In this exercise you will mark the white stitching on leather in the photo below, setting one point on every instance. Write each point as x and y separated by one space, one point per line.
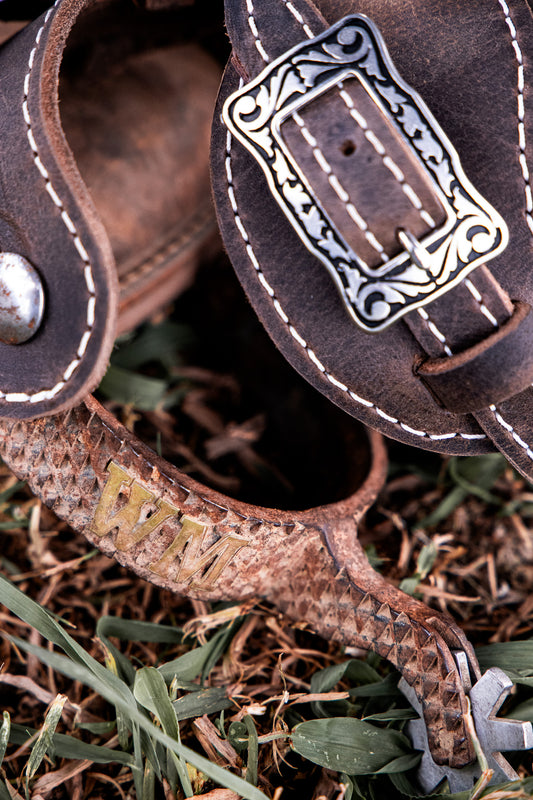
338 188
529 209
48 394
296 14
479 300
255 33
391 165
509 428
369 134
435 331
298 338
521 113
529 197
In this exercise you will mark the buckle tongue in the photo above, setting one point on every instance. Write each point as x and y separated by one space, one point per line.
347 209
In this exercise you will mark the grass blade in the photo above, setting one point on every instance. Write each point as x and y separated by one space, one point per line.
5 731
82 667
208 701
136 631
516 656
151 692
349 745
69 747
126 700
192 664
252 763
44 744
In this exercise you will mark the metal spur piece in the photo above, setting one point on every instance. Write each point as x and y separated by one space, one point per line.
494 733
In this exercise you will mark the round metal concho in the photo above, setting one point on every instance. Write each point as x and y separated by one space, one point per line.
21 299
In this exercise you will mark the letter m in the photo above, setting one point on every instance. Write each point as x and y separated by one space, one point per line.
184 559
125 506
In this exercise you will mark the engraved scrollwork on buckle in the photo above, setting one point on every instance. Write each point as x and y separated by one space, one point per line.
376 293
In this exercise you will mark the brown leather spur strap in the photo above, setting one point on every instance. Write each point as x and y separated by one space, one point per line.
325 161
190 539
183 536
452 375
89 190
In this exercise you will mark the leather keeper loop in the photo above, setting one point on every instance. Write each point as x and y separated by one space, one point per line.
490 372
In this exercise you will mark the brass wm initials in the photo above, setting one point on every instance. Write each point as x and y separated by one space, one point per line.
189 542
184 559
128 519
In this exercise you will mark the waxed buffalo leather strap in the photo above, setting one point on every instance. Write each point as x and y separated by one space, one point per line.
89 188
185 537
47 217
455 375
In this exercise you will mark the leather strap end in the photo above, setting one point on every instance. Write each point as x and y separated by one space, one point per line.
488 373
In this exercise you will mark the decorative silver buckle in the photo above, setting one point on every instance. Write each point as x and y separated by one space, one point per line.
472 233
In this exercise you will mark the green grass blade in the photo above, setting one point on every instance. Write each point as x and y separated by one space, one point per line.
5 731
135 631
401 764
148 787
515 656
221 642
477 475
123 729
88 671
191 664
142 745
446 507
126 701
207 701
349 745
36 616
7 494
150 690
252 762
4 792
69 747
44 744
393 715
131 388
353 670
97 728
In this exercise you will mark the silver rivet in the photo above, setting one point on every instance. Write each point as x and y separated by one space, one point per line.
21 299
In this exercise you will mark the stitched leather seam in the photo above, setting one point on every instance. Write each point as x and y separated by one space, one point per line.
338 188
509 428
266 286
468 283
255 33
529 196
296 14
479 300
441 338
521 128
521 113
298 338
48 394
387 160
171 249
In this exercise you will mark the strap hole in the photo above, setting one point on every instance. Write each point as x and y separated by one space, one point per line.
348 148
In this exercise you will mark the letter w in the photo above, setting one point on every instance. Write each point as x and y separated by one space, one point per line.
132 524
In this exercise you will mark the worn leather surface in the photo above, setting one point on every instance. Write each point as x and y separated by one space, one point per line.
308 563
203 544
469 62
82 205
472 379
